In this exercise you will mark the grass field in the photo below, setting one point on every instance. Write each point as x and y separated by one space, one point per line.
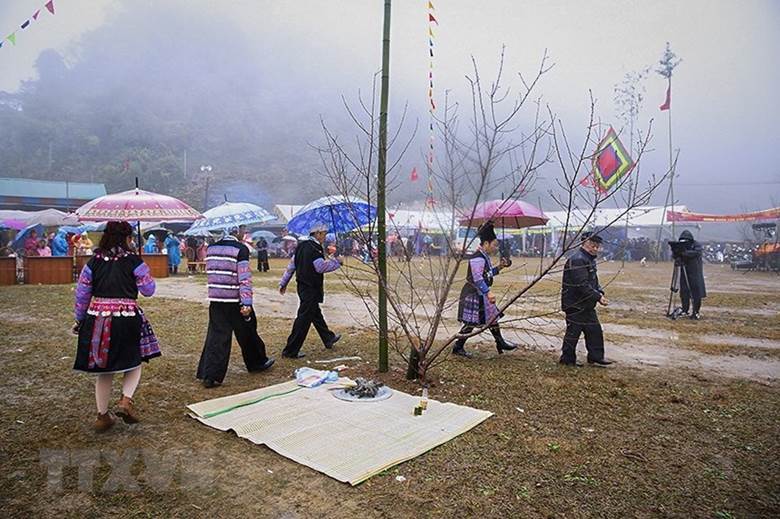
693 434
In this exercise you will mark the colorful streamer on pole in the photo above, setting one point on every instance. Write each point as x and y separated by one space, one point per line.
611 162
429 199
24 25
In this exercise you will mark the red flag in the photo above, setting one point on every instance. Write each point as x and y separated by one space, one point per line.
36 13
668 103
414 176
50 6
432 19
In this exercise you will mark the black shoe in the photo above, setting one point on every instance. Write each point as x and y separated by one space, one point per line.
600 362
504 345
336 338
267 364
209 383
695 317
462 352
298 355
573 364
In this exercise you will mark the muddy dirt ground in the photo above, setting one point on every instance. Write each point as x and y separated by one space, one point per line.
684 425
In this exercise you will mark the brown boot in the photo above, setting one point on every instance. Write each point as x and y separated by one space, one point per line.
104 422
124 409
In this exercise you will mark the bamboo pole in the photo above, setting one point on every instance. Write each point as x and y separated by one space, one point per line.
380 196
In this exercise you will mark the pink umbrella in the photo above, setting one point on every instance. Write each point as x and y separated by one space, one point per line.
137 205
509 214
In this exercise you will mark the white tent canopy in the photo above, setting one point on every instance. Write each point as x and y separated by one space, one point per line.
285 212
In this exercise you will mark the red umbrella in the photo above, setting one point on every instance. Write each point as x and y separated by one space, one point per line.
509 214
138 206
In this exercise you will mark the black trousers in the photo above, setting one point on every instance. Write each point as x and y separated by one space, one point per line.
577 323
225 319
685 298
262 262
495 330
308 313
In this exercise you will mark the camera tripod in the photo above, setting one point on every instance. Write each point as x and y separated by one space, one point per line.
679 268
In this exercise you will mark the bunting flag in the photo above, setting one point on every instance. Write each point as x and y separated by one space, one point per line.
668 103
429 200
414 176
12 37
611 162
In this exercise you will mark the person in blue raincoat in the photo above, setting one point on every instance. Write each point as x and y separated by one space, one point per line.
173 246
151 245
59 244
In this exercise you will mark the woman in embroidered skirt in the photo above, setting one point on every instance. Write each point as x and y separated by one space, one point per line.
114 335
477 305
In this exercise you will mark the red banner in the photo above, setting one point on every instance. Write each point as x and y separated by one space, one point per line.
685 216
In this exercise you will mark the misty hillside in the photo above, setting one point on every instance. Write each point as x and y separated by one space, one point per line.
137 98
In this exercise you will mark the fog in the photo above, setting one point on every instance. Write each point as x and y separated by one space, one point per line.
108 90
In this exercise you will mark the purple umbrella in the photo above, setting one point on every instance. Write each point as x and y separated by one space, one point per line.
509 214
13 224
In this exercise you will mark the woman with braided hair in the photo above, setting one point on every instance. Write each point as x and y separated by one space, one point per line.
477 303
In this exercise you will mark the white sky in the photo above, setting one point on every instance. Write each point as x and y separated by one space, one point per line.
726 111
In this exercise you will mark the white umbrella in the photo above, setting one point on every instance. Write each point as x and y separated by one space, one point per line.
227 215
52 218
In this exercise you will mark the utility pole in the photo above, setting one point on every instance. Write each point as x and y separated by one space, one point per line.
380 195
206 169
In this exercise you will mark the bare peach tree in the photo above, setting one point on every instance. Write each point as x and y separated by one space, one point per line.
508 141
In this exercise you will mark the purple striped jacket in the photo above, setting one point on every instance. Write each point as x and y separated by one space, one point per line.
228 277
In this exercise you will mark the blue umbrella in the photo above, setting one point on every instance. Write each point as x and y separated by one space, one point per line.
229 214
337 212
79 229
18 242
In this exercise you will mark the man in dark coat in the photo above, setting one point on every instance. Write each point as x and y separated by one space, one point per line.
692 277
309 266
262 255
580 292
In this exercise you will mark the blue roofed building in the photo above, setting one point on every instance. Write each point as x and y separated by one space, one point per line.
34 195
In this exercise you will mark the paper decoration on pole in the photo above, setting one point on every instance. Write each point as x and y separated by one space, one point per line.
611 162
12 37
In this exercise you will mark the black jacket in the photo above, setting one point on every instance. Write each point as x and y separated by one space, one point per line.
693 282
309 282
580 289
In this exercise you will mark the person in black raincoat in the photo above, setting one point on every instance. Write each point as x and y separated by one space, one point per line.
692 278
